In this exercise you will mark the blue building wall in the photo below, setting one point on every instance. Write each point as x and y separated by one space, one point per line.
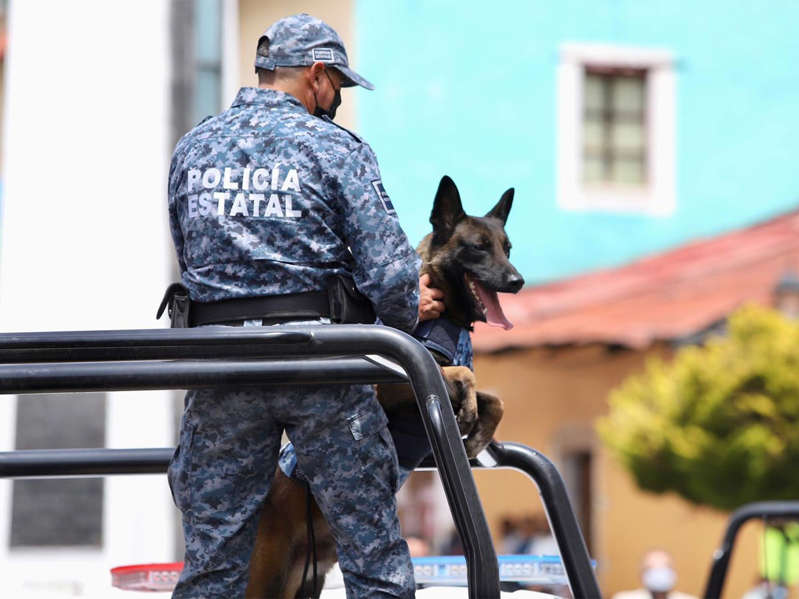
468 89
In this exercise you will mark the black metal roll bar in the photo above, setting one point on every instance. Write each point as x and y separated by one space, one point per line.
721 557
48 463
219 356
562 520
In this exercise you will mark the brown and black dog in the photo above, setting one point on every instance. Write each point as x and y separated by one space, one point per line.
467 257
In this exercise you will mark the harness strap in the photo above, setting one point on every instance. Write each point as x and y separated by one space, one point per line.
439 335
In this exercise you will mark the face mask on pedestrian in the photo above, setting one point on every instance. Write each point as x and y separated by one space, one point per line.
660 579
330 112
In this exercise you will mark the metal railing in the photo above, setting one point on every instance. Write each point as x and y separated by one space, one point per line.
219 356
764 510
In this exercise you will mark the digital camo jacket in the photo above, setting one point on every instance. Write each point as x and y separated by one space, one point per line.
266 199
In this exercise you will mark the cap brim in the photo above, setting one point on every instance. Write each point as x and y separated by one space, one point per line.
352 78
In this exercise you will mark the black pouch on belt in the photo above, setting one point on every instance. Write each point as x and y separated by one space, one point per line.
177 300
347 304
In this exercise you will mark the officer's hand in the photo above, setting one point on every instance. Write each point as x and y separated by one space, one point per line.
430 304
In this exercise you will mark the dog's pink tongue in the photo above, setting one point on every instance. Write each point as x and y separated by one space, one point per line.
494 314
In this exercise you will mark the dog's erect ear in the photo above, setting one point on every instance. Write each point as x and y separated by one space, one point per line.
447 211
502 208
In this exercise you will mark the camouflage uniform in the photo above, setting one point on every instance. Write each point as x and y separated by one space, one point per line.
267 199
406 428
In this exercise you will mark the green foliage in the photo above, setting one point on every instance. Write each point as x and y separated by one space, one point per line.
719 424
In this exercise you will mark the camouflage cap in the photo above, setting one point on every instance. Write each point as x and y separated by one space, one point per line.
301 40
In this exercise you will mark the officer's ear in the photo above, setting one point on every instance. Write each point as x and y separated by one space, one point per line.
315 72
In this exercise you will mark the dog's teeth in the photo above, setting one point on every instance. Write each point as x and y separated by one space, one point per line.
476 296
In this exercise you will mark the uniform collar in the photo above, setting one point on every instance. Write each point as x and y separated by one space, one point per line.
266 97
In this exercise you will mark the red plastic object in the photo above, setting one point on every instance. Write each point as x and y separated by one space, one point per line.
146 577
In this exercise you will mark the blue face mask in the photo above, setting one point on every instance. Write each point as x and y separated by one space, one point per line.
659 580
330 112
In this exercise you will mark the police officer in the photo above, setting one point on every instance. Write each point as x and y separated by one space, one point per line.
271 201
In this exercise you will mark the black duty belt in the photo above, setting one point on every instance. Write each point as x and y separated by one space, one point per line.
341 302
272 309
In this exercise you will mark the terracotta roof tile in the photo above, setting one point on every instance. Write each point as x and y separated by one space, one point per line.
661 297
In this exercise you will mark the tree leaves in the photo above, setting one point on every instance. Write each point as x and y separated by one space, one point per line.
719 424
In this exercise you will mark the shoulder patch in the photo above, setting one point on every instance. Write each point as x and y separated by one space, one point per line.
383 195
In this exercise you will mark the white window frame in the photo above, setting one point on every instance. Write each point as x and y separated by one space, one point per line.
657 196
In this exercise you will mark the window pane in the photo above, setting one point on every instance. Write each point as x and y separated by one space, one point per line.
614 127
627 136
207 33
208 58
593 136
206 94
593 92
628 94
628 171
58 512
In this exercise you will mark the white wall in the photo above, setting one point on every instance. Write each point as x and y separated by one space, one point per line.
84 241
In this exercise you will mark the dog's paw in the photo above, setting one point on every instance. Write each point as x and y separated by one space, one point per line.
491 409
462 387
475 443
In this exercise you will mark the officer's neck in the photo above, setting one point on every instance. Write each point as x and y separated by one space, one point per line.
295 87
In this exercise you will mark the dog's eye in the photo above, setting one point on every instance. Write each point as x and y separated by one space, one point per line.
483 245
507 249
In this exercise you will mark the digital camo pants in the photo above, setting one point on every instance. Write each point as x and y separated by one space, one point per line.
225 461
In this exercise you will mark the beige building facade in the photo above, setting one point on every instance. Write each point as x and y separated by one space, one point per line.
553 398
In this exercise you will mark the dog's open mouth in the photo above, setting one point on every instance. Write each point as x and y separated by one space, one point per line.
487 301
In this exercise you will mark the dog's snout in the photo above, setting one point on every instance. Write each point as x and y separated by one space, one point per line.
514 282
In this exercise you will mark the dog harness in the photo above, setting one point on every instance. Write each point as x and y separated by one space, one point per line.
440 335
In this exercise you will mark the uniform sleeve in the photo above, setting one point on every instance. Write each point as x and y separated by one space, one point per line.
386 266
174 216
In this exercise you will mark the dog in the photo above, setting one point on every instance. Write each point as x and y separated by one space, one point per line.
467 258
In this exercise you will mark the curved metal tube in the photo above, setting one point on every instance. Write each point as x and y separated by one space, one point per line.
562 521
68 463
98 462
68 377
722 555
289 342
